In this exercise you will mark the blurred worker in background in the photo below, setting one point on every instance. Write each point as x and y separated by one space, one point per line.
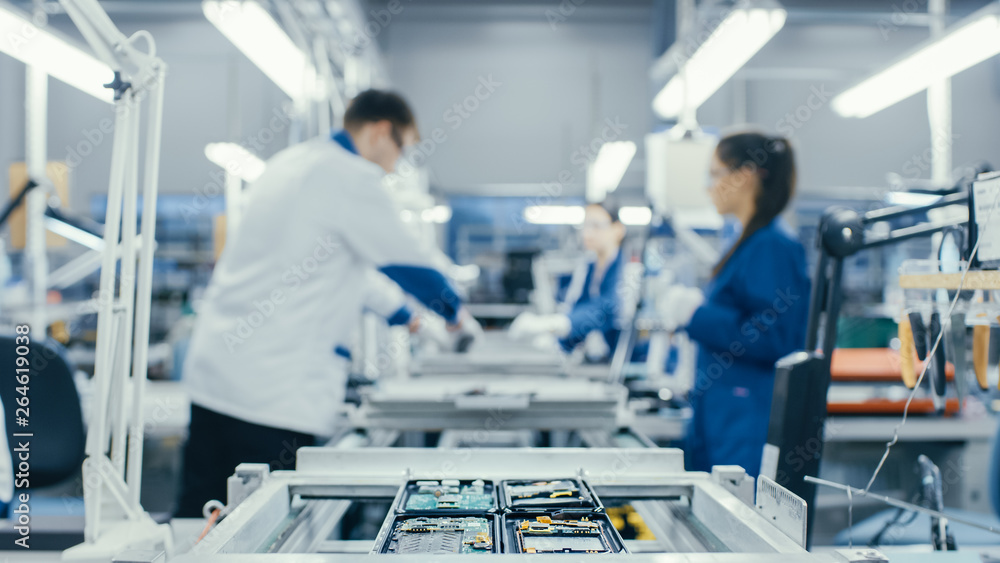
261 370
754 310
594 293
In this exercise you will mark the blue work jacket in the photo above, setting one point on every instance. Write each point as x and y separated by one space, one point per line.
755 312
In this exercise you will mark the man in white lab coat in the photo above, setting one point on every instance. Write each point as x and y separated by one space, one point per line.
261 371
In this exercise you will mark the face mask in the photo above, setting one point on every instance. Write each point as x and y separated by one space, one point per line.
405 163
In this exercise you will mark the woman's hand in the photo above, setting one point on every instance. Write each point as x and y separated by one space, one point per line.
677 304
528 325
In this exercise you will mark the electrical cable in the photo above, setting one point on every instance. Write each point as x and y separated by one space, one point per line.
937 342
208 526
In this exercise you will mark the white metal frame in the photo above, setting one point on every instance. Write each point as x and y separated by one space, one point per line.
112 471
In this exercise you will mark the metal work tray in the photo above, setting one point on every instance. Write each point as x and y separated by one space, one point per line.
589 532
583 499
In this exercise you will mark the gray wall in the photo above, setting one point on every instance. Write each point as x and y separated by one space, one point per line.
557 85
559 81
834 151
213 93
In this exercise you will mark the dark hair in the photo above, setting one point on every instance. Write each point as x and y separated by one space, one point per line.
772 159
372 106
610 207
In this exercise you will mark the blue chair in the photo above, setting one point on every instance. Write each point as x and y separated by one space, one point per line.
55 422
916 529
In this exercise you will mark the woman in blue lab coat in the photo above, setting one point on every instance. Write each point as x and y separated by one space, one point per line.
594 294
753 312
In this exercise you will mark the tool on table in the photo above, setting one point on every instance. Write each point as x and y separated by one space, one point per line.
907 366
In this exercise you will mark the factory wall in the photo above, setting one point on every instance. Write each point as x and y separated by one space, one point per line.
836 152
518 100
213 93
555 84
524 133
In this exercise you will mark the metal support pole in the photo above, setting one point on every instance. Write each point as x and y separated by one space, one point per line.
939 104
97 434
36 127
687 15
145 285
126 297
234 205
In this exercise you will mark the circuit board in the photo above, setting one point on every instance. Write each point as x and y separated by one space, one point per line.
449 495
442 535
584 533
549 494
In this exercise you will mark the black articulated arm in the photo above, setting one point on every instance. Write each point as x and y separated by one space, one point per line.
802 380
16 201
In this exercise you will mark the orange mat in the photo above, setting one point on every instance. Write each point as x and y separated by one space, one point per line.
873 365
891 407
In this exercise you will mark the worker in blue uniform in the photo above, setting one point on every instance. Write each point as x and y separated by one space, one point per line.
594 294
754 310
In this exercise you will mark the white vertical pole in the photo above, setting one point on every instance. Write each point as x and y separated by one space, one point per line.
150 189
234 205
324 83
686 18
939 105
36 127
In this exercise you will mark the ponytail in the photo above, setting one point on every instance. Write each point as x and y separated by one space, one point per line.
772 160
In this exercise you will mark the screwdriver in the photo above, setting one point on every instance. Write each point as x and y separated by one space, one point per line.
919 332
938 373
906 352
981 353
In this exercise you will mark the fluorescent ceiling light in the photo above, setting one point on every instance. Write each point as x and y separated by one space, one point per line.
635 215
734 42
970 42
264 42
36 47
436 214
910 198
574 214
605 173
554 214
236 160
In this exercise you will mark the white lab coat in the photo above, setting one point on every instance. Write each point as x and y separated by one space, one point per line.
291 284
383 296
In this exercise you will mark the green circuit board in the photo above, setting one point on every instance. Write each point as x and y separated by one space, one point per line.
468 496
441 536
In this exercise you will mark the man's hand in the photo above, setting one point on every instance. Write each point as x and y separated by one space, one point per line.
529 325
465 332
